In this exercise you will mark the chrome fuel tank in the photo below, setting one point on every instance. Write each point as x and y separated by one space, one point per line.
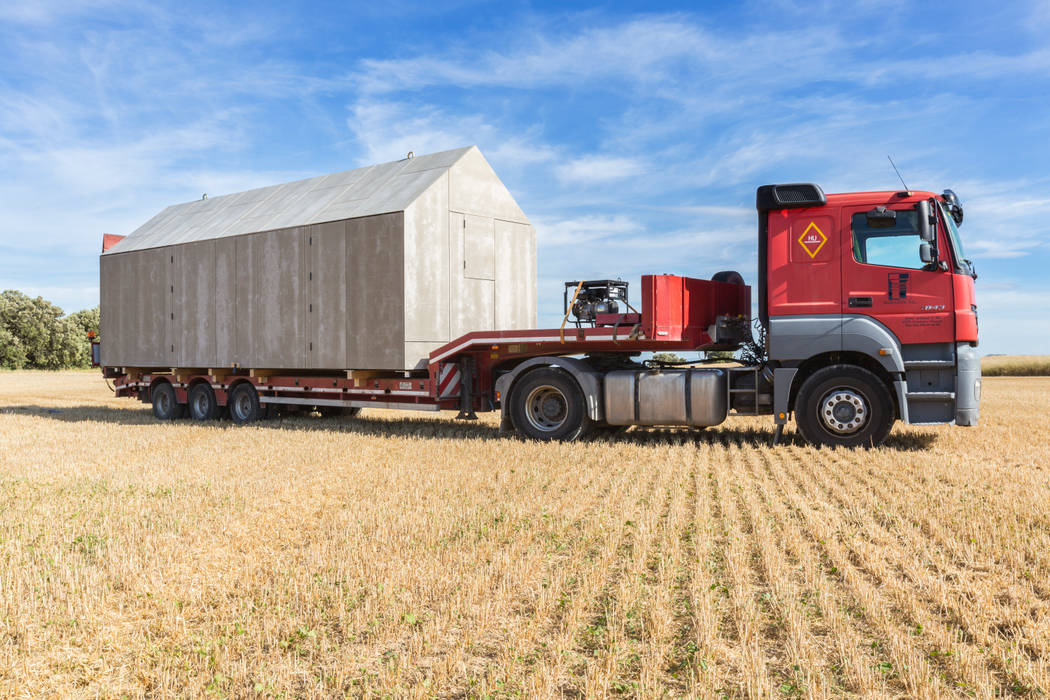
666 397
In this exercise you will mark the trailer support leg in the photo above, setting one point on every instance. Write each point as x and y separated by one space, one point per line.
466 385
777 435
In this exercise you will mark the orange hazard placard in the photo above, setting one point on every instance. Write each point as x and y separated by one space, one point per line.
812 239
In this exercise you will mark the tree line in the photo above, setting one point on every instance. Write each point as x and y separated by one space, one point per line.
36 334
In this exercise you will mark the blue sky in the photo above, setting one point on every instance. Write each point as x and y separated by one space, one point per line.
634 140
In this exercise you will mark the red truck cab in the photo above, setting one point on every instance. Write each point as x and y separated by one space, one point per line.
876 280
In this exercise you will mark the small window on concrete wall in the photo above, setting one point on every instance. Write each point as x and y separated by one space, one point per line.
478 247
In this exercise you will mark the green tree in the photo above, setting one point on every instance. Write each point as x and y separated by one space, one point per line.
44 338
667 357
84 321
12 354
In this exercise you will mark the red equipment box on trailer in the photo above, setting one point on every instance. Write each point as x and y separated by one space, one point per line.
688 309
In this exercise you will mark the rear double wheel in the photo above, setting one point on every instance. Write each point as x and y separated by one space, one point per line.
243 404
844 406
165 405
202 402
547 404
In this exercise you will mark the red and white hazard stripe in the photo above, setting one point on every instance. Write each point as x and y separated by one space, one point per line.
448 381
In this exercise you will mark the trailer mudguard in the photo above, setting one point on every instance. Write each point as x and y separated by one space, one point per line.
589 380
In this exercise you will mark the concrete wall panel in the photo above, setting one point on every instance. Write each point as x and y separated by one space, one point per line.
136 293
194 304
112 283
326 314
271 322
426 291
474 188
473 306
478 247
226 315
515 262
375 273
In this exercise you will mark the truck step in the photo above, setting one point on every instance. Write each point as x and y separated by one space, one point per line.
930 396
928 364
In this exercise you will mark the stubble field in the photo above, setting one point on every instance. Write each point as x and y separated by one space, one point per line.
401 555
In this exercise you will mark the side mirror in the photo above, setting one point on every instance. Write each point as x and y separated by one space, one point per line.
926 253
954 207
881 217
927 232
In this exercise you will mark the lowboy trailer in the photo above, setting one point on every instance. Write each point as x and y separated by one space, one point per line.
866 315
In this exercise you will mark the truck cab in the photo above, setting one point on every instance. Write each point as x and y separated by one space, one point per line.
865 293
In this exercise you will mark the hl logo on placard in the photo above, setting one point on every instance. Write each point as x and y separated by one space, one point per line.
812 239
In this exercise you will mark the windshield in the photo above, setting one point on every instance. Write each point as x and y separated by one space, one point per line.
953 236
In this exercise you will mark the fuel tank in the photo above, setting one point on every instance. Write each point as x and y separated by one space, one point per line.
695 397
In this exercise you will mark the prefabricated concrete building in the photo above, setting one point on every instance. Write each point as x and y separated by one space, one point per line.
366 269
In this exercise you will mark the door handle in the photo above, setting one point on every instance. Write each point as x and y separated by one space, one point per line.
860 302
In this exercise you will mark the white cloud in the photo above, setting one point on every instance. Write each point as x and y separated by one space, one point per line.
387 130
584 230
639 50
599 169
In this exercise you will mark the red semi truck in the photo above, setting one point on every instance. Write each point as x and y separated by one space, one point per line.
866 316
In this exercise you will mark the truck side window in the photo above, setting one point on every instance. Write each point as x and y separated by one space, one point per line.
897 246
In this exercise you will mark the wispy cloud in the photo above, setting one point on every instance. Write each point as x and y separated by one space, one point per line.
600 169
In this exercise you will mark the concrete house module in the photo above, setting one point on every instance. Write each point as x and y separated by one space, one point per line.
366 269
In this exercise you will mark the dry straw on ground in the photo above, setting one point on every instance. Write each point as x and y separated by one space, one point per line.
415 556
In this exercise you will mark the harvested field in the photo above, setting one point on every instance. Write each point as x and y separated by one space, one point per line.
1016 366
416 556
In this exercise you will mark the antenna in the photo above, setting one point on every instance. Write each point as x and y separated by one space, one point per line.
896 171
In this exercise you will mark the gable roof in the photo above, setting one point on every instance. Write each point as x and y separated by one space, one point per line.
376 189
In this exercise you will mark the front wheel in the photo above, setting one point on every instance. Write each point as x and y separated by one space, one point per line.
844 406
547 404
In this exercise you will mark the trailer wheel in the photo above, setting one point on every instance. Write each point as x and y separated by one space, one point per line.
202 403
244 404
844 406
165 405
548 404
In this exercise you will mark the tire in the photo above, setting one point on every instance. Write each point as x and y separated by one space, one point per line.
202 403
844 406
165 405
547 404
243 404
728 276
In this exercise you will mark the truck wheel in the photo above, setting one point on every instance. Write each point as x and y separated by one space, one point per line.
202 403
844 406
165 405
244 404
548 404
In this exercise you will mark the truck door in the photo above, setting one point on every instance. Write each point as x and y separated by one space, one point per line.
884 277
